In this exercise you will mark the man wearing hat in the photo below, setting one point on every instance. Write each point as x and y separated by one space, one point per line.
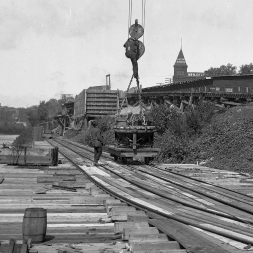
97 142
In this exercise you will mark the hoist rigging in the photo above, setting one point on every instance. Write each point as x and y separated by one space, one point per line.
143 15
134 50
134 137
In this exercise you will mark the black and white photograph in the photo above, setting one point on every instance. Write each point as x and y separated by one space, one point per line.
126 126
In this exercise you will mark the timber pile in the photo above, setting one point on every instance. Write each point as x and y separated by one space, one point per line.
72 216
13 246
76 220
213 216
202 217
238 182
169 209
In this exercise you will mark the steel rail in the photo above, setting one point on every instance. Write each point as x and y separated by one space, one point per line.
244 209
153 190
242 237
192 180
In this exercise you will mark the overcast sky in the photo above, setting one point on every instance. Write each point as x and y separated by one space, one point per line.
50 47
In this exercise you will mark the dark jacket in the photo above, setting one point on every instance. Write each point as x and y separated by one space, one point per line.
96 137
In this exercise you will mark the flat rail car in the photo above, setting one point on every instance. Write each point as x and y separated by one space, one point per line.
134 142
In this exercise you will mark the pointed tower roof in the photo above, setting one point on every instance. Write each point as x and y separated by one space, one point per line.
180 61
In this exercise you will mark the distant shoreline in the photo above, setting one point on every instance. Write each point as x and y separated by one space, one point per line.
7 138
10 134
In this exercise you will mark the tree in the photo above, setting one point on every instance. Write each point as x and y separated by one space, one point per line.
223 70
42 112
32 115
53 107
246 69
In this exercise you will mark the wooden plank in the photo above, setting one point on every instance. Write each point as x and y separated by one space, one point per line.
149 237
119 226
11 245
131 232
57 217
24 248
155 245
184 236
89 199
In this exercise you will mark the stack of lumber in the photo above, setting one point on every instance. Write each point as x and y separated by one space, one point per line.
239 182
13 246
72 216
76 218
136 231
224 216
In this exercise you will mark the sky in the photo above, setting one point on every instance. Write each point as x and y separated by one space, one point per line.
54 47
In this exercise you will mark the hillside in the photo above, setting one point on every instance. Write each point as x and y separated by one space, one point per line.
227 142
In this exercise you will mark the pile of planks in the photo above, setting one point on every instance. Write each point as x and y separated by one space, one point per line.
14 247
216 214
133 226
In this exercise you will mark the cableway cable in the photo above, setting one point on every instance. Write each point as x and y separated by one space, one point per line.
143 15
129 16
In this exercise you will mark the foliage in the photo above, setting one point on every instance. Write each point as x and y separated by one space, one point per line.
42 112
221 140
11 128
180 129
229 69
53 108
226 143
32 115
223 70
173 148
25 138
246 69
45 111
163 117
105 124
197 117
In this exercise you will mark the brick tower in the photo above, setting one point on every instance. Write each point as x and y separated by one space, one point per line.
180 68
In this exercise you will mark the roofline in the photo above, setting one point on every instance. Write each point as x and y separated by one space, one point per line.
228 77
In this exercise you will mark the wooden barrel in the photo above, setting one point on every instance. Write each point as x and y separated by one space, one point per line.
35 224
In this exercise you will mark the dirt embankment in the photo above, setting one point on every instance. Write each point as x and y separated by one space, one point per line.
227 143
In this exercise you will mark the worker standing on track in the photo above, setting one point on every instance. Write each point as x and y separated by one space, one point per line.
97 142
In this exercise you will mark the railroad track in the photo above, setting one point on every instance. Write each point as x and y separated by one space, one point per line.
208 214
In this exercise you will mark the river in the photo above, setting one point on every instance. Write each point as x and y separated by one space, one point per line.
4 138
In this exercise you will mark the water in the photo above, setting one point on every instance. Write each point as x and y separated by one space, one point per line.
7 138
